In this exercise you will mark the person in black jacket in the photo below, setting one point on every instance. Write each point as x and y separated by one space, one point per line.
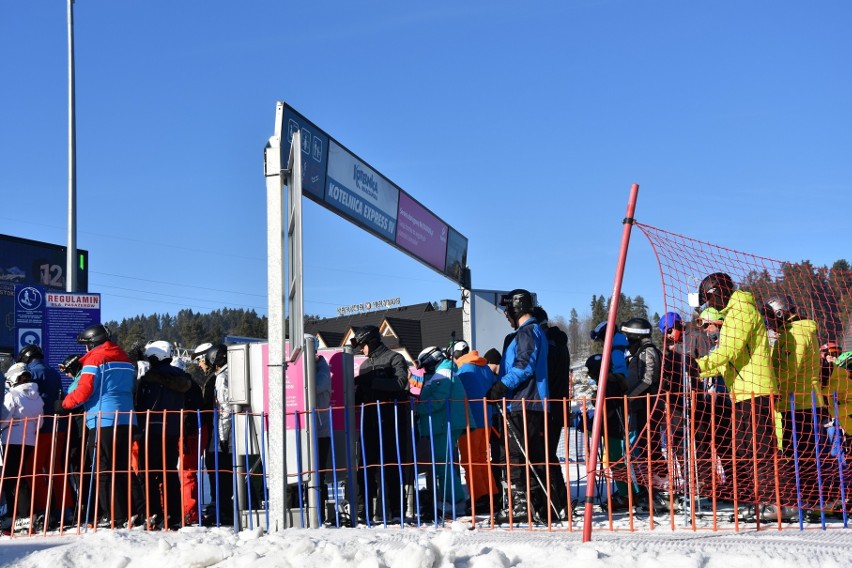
161 390
382 379
559 383
613 435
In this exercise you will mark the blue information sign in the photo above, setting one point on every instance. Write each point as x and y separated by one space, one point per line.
52 320
314 152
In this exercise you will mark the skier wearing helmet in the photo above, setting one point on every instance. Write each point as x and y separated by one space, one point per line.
743 357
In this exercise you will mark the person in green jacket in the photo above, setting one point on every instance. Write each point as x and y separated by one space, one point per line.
441 416
742 357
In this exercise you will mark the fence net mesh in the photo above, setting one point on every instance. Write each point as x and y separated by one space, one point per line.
752 405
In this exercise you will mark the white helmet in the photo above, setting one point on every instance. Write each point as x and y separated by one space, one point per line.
198 352
429 359
17 374
159 350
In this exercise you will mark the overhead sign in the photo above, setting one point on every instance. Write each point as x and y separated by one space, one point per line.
338 180
52 320
23 261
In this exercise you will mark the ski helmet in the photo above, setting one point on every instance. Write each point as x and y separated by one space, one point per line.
718 284
780 307
216 356
429 359
368 335
18 374
711 315
668 321
198 352
460 348
636 328
517 303
71 365
599 332
830 348
157 351
94 335
30 352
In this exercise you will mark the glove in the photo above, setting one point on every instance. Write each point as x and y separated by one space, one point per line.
57 408
496 391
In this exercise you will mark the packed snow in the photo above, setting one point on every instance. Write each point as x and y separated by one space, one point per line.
436 547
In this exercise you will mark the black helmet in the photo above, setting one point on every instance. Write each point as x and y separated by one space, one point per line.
636 328
780 307
366 335
71 365
716 283
93 335
216 356
517 303
29 353
599 332
429 359
593 366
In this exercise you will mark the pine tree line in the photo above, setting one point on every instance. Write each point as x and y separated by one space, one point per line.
188 329
579 328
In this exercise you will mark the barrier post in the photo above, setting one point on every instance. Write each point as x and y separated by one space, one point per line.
591 461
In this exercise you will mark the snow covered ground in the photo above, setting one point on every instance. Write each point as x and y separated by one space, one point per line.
431 547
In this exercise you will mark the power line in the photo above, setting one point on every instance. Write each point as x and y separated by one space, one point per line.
170 295
177 284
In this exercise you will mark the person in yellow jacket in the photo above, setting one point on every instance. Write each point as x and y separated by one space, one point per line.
742 357
795 361
795 355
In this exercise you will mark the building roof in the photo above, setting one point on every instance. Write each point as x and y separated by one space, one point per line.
407 329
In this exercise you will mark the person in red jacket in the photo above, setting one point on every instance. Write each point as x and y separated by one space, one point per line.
104 388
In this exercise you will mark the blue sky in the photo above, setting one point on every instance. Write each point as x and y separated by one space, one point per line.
522 126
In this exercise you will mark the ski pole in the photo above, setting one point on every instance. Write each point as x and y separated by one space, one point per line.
511 428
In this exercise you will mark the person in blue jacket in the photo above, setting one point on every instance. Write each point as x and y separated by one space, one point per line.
104 387
441 417
618 358
523 382
476 377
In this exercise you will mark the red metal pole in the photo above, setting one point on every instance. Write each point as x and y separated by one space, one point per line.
592 458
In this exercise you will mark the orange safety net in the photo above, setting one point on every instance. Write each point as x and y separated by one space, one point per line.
748 407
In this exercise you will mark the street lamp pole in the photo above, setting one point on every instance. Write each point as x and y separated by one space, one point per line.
70 260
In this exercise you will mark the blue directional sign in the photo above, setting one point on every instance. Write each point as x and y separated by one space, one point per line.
314 152
360 193
340 181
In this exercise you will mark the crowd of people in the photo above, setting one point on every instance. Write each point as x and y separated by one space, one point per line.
485 414
119 447
739 415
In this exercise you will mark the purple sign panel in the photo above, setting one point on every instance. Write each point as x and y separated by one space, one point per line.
420 232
